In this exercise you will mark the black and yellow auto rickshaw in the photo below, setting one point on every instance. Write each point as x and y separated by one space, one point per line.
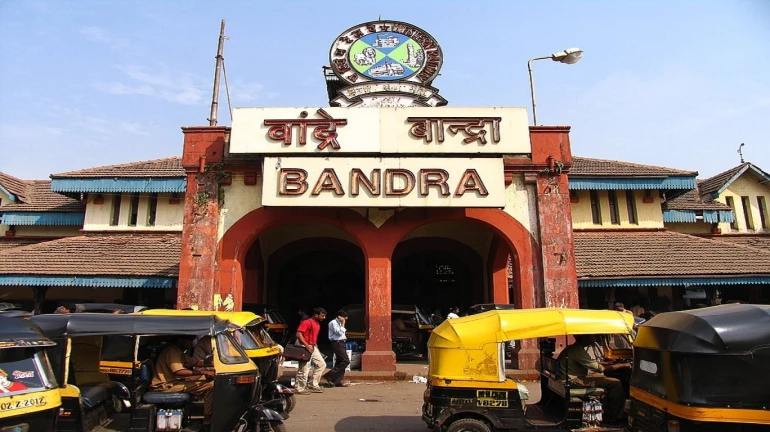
702 370
253 337
91 401
467 387
29 394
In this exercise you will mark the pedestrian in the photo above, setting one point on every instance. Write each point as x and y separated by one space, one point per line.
337 337
307 336
436 318
620 307
302 314
453 313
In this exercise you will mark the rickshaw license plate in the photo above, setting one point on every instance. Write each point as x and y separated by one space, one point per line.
492 398
22 403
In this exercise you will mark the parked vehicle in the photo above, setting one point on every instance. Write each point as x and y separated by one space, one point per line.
410 328
277 326
468 390
258 345
29 394
91 401
702 370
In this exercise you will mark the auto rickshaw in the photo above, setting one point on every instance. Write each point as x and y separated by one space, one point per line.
257 344
276 325
467 387
702 370
29 394
91 401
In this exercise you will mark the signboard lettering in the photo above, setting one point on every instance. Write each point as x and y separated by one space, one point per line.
383 182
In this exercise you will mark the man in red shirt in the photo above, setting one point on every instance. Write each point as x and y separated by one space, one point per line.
307 336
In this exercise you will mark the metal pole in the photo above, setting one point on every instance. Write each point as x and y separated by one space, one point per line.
215 97
532 87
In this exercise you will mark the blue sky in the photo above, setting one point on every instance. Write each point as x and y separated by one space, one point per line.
92 83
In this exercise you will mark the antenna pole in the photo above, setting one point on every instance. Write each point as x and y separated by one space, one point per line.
215 97
740 151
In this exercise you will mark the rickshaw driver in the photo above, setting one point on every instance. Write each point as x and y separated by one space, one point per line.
173 374
589 371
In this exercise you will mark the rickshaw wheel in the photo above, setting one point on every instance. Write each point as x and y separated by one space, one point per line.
275 427
468 425
291 402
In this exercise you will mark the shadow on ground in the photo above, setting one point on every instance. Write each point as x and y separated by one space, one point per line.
381 423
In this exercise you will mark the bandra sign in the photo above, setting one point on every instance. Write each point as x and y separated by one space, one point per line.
383 182
413 130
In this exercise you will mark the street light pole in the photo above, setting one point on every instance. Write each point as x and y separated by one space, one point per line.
568 56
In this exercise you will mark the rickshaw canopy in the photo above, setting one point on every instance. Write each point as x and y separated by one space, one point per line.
241 319
16 332
108 324
471 348
473 331
107 307
725 329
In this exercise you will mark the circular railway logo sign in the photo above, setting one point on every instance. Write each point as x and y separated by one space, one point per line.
385 51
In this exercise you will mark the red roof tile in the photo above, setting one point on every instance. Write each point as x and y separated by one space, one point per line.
168 167
755 241
692 200
39 198
14 242
13 185
628 254
97 255
599 167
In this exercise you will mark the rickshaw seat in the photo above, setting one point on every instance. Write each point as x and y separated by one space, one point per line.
553 372
92 394
162 398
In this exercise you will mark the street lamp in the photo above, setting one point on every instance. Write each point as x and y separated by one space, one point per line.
568 56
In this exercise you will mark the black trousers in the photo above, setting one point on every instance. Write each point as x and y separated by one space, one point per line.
337 373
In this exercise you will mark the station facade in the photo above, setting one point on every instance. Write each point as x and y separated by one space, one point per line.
384 197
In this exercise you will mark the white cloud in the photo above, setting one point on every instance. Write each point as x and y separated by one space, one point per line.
102 36
182 88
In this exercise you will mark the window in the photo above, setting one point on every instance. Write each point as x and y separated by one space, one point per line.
614 214
596 210
747 216
631 206
134 210
731 204
762 204
115 215
152 210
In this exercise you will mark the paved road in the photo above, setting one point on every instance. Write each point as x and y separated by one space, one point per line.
388 406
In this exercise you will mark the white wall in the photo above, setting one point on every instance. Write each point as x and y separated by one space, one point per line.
168 216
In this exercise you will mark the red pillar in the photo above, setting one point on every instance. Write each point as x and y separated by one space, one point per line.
379 354
198 263
551 151
499 275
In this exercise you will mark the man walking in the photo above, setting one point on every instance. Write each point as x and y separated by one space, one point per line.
337 337
307 336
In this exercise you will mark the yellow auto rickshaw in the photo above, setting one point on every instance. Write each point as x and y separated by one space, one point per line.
702 370
467 387
92 401
258 345
29 394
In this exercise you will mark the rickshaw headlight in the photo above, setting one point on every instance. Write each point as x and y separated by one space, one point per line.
673 426
245 379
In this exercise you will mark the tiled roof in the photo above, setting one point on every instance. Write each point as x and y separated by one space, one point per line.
755 241
13 242
97 255
168 167
599 167
13 185
624 254
39 198
692 200
713 184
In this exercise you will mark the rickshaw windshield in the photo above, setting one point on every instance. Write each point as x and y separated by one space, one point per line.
260 334
24 370
229 350
244 338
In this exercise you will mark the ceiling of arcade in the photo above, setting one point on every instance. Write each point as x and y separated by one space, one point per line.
478 238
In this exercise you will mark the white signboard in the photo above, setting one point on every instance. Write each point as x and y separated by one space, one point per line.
414 130
383 182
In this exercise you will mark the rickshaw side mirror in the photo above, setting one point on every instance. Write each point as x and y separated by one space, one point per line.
208 360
